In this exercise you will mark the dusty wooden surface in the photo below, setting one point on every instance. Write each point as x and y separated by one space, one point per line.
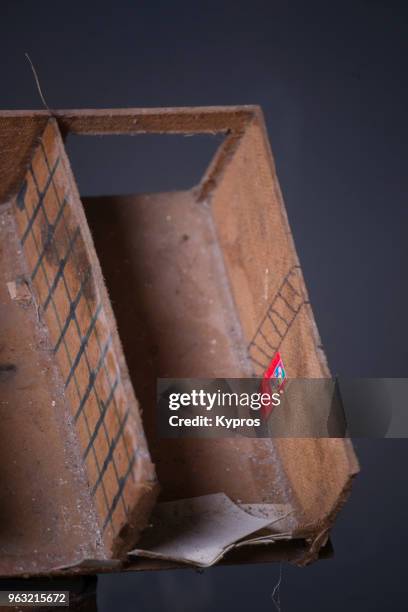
46 515
203 284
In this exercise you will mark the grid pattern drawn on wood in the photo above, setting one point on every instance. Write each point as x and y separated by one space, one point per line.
277 321
69 304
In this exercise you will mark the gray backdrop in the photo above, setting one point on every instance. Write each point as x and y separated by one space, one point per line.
331 78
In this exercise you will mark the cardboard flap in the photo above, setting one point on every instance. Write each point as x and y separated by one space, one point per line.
200 530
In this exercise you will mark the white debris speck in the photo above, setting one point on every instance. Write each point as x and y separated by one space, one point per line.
266 286
12 289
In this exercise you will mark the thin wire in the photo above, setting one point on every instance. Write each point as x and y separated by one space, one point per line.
37 81
276 591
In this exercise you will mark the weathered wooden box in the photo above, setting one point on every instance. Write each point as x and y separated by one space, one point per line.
204 284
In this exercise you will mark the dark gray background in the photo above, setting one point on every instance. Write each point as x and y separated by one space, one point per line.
331 78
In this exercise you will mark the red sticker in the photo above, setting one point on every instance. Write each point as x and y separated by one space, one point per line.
273 381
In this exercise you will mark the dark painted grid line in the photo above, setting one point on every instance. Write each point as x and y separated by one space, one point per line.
289 326
84 343
50 237
260 349
273 348
117 412
291 286
61 267
65 345
68 354
71 243
92 377
41 196
280 316
21 196
83 340
278 331
286 302
100 349
285 280
108 376
119 494
268 316
110 456
112 448
82 353
261 365
105 406
72 308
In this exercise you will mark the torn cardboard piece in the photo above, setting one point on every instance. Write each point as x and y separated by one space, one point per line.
199 531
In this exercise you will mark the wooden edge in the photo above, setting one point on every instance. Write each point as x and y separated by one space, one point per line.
207 119
148 485
224 154
296 552
316 532
19 137
216 167
231 120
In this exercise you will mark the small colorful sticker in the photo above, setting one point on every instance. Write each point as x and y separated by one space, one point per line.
277 371
273 381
